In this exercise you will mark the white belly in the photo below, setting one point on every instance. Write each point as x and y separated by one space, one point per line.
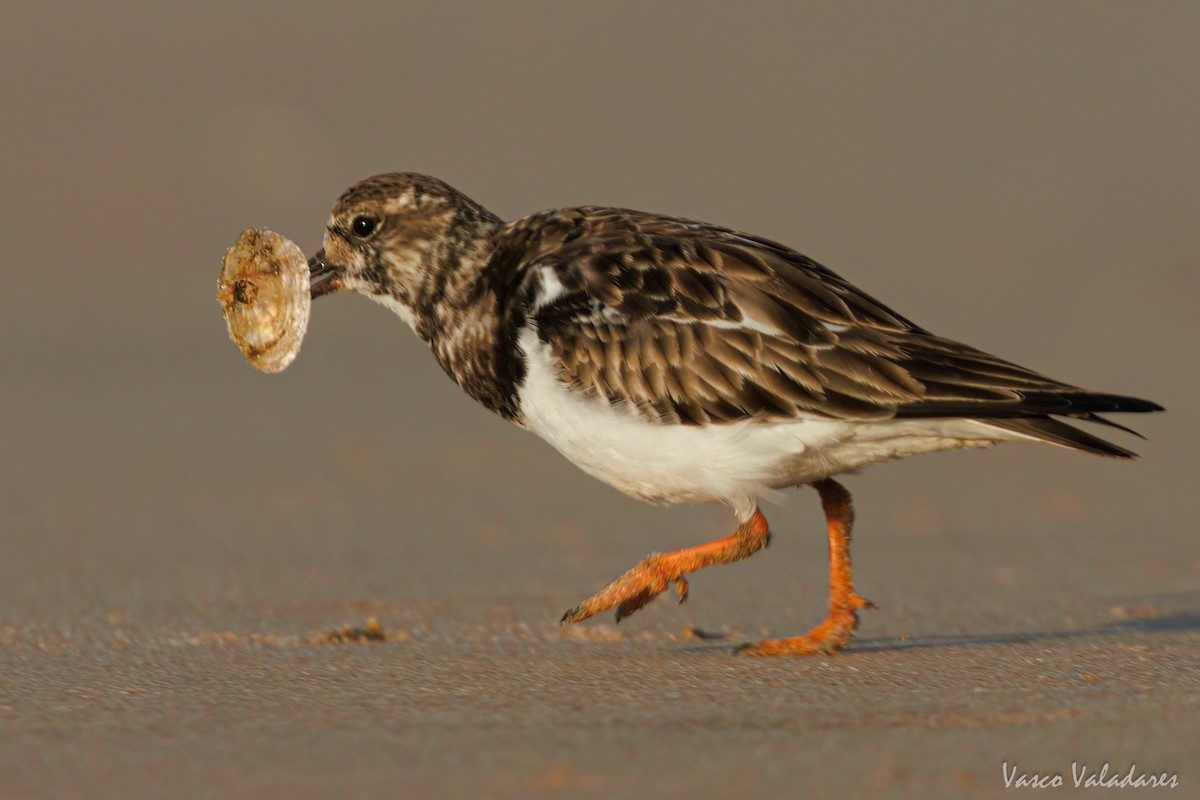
731 463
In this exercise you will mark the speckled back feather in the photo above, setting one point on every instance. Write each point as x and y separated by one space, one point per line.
696 324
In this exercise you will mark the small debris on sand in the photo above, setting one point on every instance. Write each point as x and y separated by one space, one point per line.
370 631
1121 613
693 632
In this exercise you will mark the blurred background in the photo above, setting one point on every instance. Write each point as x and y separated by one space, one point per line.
1021 176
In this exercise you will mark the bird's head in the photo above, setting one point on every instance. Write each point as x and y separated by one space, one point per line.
391 236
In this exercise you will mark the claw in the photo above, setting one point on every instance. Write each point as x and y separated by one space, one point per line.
682 588
857 601
574 615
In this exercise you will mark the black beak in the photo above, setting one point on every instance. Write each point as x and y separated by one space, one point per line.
323 278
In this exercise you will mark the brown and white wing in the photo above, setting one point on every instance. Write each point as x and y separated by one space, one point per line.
702 325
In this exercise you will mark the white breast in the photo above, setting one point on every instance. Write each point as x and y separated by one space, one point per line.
731 463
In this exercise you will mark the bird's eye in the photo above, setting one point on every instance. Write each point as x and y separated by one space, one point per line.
364 226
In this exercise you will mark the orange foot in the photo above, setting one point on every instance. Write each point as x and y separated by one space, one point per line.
658 571
835 632
826 639
634 589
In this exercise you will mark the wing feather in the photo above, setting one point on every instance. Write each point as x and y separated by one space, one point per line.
699 324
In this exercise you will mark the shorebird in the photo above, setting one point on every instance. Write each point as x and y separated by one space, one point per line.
683 362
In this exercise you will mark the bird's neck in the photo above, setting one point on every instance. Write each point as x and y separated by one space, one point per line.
461 311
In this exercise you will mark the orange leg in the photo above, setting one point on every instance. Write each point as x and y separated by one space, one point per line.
834 633
656 572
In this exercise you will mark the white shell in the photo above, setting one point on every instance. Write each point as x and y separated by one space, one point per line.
264 293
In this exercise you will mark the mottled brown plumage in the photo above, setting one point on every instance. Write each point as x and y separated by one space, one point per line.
685 362
697 324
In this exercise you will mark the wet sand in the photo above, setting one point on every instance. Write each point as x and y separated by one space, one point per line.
179 533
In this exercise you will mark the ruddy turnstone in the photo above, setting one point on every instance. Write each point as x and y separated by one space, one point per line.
683 362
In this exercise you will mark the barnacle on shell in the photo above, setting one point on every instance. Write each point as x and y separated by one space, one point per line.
264 294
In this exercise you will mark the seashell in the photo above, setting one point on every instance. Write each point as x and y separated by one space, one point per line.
264 293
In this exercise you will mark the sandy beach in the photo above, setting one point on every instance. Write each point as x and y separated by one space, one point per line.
180 536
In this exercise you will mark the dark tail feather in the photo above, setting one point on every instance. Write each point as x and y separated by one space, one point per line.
1099 420
1032 404
1060 433
1106 403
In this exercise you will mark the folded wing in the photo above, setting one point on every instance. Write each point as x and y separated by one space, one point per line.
696 324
